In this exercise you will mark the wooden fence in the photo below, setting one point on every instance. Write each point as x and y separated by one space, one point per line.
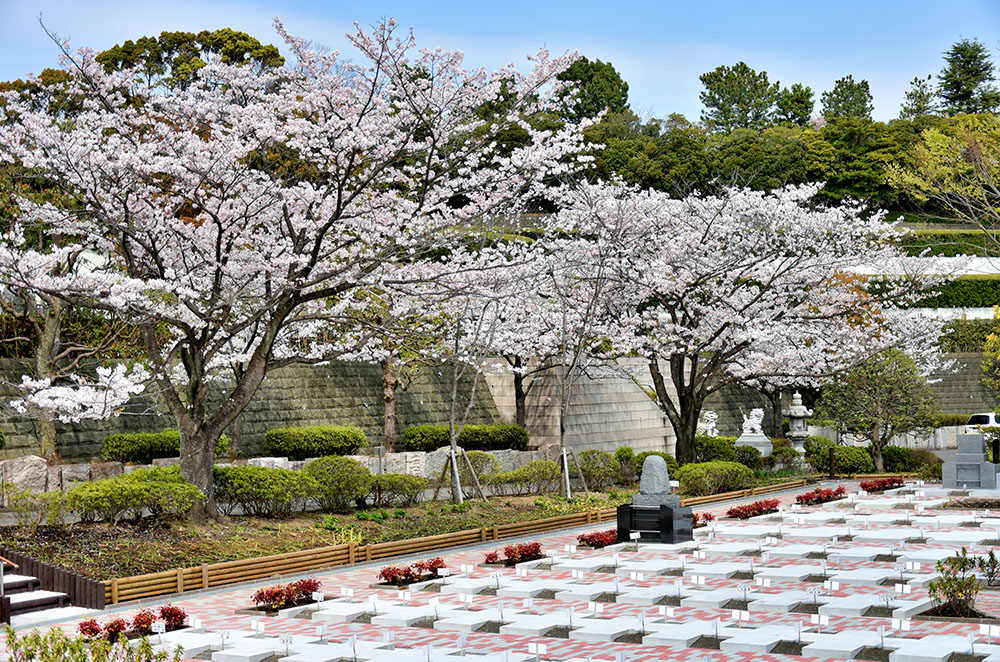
82 591
232 572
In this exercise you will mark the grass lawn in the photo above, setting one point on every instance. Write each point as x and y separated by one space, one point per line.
104 551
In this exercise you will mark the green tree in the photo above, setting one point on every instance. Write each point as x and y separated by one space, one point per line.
919 99
848 98
861 150
794 104
772 158
597 86
173 58
965 83
737 97
880 399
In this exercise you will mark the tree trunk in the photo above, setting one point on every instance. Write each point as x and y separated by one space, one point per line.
774 396
48 341
520 395
684 416
197 464
877 450
389 385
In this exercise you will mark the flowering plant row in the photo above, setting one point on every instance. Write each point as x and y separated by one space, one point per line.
821 495
699 520
522 551
880 484
748 510
142 623
401 575
598 539
280 596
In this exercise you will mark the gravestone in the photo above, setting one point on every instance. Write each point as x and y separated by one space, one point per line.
970 468
655 513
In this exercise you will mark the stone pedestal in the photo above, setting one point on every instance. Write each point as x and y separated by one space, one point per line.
970 468
663 524
758 441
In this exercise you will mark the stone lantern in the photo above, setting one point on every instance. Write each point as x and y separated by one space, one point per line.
798 429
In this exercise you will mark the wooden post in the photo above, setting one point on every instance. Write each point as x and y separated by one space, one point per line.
580 472
440 481
180 580
368 552
833 464
482 534
114 591
204 576
351 553
495 536
475 478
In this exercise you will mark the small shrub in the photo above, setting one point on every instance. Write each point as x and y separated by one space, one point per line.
671 461
713 477
173 617
881 484
523 551
599 468
340 481
930 472
710 449
398 489
280 596
114 628
821 495
431 565
753 509
896 459
372 516
817 452
699 520
989 567
492 557
55 645
89 628
303 442
598 539
129 497
144 447
493 437
142 622
402 575
749 456
853 460
486 465
535 477
627 467
262 491
785 456
956 589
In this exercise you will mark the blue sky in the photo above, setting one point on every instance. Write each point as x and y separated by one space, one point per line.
660 48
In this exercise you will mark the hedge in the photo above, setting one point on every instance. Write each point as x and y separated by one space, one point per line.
339 481
300 443
492 437
144 447
948 243
703 478
640 459
967 335
262 491
398 489
974 291
709 449
157 493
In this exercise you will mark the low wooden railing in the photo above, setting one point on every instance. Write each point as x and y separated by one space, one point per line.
232 572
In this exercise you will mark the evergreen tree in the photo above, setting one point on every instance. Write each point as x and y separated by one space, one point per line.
598 86
919 99
965 83
737 97
848 99
795 104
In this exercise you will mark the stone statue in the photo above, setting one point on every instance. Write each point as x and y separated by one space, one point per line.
798 427
654 484
708 425
753 424
655 515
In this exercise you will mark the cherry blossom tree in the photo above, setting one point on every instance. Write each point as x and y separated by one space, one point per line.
244 215
725 289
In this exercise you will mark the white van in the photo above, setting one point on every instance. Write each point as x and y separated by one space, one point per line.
986 420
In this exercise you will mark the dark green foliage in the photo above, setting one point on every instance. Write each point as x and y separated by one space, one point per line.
398 489
950 420
949 243
626 464
340 481
861 149
262 491
967 336
853 460
157 493
975 291
492 437
699 479
672 465
848 99
919 99
600 468
737 97
748 456
896 459
596 86
785 456
709 449
144 447
300 443
965 85
794 105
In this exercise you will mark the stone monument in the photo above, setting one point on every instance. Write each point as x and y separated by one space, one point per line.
655 513
708 425
753 433
970 468
798 428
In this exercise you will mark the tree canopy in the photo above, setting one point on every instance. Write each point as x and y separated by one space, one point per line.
737 97
848 98
965 84
597 86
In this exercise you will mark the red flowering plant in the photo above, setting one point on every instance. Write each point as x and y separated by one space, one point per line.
173 617
820 495
114 628
523 551
492 557
699 520
598 539
748 510
880 484
89 628
142 622
399 575
280 596
430 566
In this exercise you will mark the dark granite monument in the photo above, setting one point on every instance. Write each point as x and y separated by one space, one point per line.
655 514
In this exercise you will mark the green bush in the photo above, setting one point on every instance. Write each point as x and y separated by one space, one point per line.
921 457
949 420
262 491
974 291
398 489
749 456
485 465
640 459
493 437
536 477
930 472
895 459
704 478
967 336
626 464
600 468
785 456
853 460
157 492
339 481
300 443
3 440
817 453
710 449
144 447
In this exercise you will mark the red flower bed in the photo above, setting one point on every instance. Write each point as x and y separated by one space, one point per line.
141 625
821 495
880 484
748 510
699 520
599 539
280 596
522 551
402 575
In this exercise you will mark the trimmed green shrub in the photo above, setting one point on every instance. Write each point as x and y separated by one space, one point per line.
626 464
931 472
921 457
398 489
967 336
160 493
303 442
144 447
262 491
948 243
785 456
749 456
895 459
709 449
493 437
700 479
853 460
599 468
485 465
949 420
973 291
536 477
817 453
339 481
671 461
